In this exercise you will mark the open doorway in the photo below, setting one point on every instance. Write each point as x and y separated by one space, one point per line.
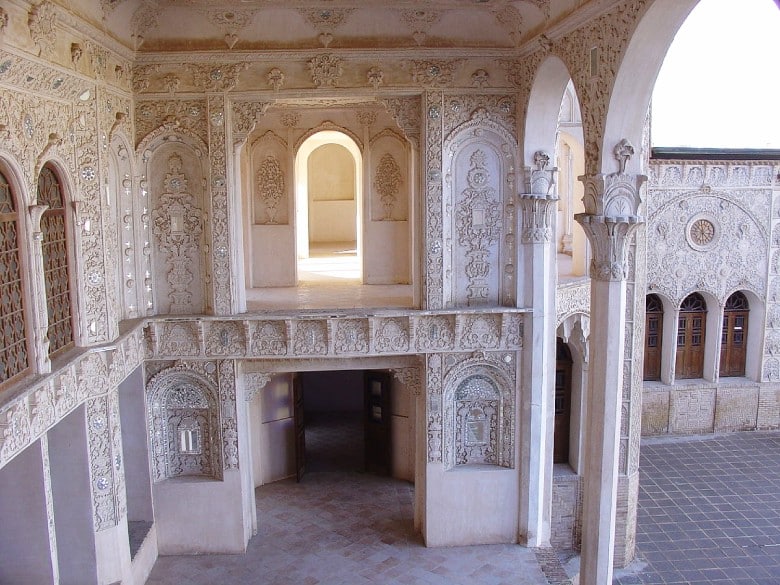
328 198
349 420
343 422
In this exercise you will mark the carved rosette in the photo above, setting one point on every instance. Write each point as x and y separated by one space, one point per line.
326 70
217 76
434 73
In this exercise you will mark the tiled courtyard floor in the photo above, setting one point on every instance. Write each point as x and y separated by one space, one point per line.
709 511
346 528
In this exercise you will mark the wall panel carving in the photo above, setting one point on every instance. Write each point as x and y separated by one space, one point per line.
271 180
177 225
479 163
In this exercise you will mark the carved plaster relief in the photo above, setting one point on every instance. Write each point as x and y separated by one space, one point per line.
390 183
183 421
479 167
177 224
478 410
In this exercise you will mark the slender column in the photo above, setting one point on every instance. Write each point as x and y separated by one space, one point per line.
538 208
612 205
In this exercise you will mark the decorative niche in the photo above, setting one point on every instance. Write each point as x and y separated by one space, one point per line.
184 425
478 422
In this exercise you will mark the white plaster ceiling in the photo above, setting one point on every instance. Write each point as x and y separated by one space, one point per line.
179 25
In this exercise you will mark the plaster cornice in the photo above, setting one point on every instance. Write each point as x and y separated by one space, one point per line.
78 27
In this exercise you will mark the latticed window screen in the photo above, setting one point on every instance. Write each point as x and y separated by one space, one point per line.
13 339
55 261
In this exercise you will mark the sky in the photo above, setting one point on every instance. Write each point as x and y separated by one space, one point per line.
719 86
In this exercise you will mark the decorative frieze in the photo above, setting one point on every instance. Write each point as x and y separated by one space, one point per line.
336 336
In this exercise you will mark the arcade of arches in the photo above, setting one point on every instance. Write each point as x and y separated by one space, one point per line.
518 260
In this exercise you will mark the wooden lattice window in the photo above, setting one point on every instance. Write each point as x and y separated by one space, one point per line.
14 357
654 325
733 341
691 329
55 261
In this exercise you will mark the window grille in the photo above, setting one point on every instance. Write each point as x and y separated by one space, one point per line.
55 262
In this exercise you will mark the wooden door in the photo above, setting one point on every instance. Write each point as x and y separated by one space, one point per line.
733 340
563 364
654 324
300 427
377 422
691 326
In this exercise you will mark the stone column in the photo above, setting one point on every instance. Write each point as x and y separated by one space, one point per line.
611 217
538 206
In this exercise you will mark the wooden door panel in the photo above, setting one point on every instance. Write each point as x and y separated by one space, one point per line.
377 422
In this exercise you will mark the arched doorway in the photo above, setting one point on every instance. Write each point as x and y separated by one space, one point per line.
654 324
563 368
734 336
328 207
691 331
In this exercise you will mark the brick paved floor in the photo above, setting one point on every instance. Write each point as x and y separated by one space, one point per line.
709 511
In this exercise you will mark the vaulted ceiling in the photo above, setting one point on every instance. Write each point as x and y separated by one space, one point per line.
186 25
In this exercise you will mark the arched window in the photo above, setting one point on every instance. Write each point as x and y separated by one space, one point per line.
691 326
563 365
654 324
55 261
14 357
733 341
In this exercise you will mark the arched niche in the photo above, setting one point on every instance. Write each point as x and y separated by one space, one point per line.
176 183
480 164
387 237
184 426
269 204
478 420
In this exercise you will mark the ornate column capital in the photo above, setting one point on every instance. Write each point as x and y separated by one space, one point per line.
537 213
610 238
617 195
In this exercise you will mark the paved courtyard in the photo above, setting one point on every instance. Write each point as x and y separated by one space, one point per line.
709 511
